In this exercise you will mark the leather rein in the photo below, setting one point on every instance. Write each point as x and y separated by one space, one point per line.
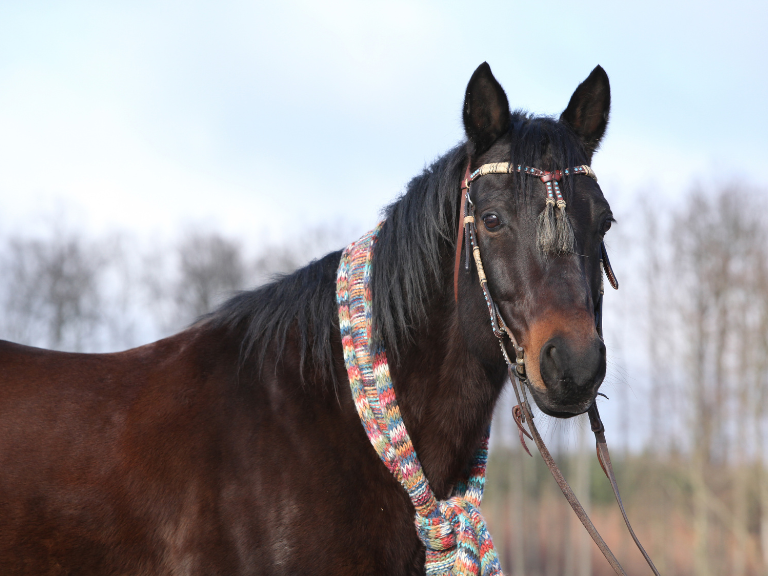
467 235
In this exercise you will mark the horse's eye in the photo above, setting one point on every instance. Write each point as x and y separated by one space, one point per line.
606 226
491 221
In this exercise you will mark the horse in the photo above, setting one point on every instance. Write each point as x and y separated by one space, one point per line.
234 447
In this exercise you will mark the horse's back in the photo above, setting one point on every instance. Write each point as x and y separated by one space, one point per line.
176 458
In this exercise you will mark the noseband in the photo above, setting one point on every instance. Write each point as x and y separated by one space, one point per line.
467 235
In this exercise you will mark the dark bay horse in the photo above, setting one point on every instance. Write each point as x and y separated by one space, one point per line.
234 447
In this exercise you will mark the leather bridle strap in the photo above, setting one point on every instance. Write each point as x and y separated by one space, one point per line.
550 179
605 463
562 482
604 458
460 230
467 232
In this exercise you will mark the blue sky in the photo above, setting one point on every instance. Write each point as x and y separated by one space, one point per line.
257 117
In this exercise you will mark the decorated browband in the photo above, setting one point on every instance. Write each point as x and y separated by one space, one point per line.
555 234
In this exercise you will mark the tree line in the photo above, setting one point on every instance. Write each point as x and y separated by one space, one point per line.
74 292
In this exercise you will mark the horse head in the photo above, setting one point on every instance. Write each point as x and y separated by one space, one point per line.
542 259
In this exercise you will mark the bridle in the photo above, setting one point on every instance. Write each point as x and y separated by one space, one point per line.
467 235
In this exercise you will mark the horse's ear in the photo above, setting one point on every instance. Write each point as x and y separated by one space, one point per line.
587 112
486 110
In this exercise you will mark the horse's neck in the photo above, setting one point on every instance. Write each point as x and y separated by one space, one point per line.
446 396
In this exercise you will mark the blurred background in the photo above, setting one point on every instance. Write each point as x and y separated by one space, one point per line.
157 156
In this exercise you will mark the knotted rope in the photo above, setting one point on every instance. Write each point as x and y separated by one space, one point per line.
453 531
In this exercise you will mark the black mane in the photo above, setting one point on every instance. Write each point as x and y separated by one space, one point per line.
304 301
420 229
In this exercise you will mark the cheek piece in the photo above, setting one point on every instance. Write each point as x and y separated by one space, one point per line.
555 235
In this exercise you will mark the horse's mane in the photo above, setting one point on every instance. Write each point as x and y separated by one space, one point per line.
420 228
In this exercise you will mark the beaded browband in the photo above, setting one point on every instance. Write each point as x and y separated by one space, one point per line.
554 198
549 178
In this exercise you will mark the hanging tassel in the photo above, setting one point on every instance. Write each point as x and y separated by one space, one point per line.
546 229
566 242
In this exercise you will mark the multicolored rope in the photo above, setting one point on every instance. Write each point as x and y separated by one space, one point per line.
453 531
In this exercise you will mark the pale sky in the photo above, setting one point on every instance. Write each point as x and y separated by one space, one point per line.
256 117
262 118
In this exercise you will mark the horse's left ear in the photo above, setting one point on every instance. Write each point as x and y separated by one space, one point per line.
587 112
486 110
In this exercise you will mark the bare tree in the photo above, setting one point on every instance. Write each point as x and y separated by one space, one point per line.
717 244
191 280
207 267
582 487
211 267
285 257
51 291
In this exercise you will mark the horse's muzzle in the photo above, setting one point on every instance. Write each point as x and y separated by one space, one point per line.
571 374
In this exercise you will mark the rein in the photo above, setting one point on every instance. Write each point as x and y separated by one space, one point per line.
467 234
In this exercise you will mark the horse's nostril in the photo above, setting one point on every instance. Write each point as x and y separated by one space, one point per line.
553 361
553 356
561 365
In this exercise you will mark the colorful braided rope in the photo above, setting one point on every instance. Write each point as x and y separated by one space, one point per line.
453 531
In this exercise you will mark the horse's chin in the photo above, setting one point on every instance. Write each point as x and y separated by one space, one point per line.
559 409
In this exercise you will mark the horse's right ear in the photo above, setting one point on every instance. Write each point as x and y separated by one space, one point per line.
588 109
486 110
